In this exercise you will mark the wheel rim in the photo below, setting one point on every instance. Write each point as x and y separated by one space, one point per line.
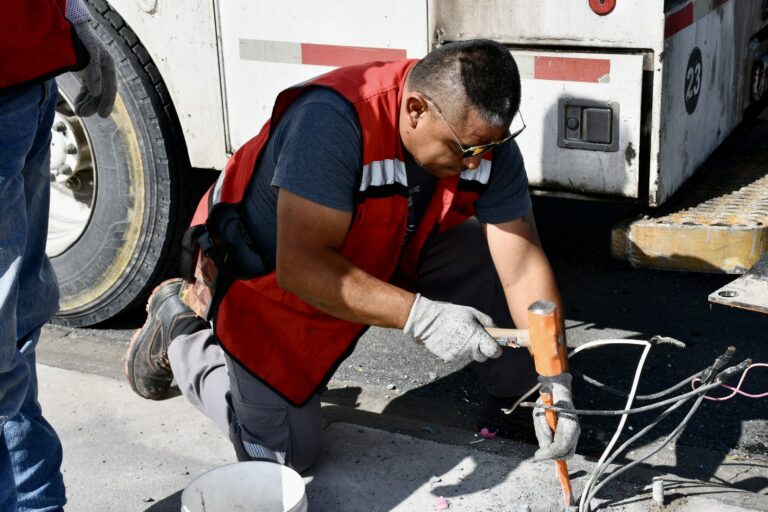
73 179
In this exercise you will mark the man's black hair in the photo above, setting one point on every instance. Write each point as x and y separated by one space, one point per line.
479 72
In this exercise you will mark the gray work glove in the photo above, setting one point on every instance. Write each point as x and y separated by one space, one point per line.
562 444
99 85
450 331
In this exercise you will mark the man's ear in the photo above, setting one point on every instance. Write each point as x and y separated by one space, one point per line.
415 107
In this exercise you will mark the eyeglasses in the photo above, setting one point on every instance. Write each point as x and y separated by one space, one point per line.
474 151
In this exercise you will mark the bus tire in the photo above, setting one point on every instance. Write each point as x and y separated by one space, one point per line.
132 176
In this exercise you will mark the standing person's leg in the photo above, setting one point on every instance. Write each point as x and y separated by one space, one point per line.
457 268
35 449
261 424
25 116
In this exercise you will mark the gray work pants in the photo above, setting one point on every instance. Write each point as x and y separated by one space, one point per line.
456 268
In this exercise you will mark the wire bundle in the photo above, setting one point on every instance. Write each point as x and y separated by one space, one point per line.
709 378
737 390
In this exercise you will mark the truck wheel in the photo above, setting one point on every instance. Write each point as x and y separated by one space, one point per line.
119 202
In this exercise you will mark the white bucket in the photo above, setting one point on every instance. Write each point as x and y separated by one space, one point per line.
246 487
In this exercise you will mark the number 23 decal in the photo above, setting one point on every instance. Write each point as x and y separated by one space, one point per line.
693 81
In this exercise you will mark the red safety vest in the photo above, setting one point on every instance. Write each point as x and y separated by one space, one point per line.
37 42
288 344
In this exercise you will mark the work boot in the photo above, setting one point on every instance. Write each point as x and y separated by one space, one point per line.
146 363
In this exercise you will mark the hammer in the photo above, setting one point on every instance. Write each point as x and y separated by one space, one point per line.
545 339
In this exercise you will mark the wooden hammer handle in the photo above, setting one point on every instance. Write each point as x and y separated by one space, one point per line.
514 337
551 359
560 465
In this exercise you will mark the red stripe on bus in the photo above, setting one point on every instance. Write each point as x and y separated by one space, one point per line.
717 3
332 55
678 21
569 69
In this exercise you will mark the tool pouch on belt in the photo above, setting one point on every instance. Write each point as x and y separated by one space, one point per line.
216 253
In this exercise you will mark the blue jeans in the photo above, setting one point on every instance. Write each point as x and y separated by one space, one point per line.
30 451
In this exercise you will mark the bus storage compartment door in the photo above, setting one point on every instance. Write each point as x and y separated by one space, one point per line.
578 140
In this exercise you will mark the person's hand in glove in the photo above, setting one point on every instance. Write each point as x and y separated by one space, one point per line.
450 331
560 444
99 85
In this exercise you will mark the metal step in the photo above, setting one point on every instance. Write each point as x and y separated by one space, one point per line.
750 291
716 223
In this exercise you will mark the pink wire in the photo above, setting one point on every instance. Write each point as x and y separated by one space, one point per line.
737 390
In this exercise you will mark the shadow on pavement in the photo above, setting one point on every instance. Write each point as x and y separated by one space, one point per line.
170 504
603 296
413 463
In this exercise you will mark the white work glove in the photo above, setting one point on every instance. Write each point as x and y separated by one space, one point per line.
99 86
562 444
450 331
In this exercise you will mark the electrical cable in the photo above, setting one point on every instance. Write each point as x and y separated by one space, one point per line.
710 374
592 490
655 340
617 392
653 423
609 341
711 377
736 390
666 441
638 371
620 412
657 405
585 346
520 400
600 470
594 344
